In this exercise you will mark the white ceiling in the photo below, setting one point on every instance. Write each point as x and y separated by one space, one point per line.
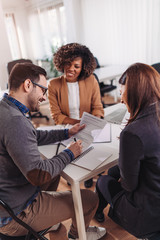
24 3
14 3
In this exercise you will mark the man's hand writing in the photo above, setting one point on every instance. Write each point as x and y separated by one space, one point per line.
76 148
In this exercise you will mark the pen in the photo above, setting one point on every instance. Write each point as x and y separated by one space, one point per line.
75 139
58 147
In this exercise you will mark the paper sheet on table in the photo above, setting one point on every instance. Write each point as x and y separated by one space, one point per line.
102 135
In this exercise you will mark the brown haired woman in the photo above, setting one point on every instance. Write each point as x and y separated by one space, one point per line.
133 187
77 90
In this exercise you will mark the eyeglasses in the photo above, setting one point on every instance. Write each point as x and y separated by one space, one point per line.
44 89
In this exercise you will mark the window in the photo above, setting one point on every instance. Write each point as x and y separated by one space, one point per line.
47 30
12 36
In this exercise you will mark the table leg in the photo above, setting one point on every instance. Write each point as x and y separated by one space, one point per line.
78 210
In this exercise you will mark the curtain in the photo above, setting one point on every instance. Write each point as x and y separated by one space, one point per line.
122 31
47 30
12 36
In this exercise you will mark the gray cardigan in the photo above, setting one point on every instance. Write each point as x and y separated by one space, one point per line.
22 168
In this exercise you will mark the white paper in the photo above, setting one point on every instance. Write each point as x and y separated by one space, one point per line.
92 124
102 135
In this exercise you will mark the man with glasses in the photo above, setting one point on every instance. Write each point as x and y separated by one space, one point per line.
44 89
27 182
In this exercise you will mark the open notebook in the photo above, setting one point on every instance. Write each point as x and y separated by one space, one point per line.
92 158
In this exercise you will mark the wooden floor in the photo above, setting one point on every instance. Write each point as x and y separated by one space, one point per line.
114 232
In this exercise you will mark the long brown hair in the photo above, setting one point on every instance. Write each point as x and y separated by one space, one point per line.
143 88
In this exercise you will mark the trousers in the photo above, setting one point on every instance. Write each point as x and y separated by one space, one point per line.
51 207
107 187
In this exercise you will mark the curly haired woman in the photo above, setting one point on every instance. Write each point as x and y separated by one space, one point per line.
77 90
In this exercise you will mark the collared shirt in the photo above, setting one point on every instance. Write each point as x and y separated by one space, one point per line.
20 106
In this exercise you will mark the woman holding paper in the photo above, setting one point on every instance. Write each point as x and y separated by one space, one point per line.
77 90
133 188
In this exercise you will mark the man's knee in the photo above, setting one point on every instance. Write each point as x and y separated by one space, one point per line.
52 185
89 197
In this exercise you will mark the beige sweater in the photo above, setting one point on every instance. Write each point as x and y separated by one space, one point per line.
90 98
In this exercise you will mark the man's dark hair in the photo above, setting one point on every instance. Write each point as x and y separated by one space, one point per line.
22 71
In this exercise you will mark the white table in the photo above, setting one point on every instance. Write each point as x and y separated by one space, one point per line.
75 175
110 72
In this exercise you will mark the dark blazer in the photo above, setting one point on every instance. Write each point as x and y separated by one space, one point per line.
137 207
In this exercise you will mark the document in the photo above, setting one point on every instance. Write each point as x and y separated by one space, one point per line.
96 130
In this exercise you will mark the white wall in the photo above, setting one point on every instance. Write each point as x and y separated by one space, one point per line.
5 55
122 31
74 20
116 31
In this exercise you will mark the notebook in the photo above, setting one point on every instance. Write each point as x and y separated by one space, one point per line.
92 158
116 116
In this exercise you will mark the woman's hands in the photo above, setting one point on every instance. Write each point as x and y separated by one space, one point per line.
76 148
75 129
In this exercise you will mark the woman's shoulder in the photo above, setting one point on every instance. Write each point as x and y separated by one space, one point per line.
56 81
136 128
91 79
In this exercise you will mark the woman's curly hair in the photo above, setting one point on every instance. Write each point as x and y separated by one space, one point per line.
67 53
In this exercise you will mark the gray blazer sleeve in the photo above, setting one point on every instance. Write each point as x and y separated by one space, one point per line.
22 147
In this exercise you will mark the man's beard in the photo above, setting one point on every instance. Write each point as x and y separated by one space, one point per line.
34 108
33 104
